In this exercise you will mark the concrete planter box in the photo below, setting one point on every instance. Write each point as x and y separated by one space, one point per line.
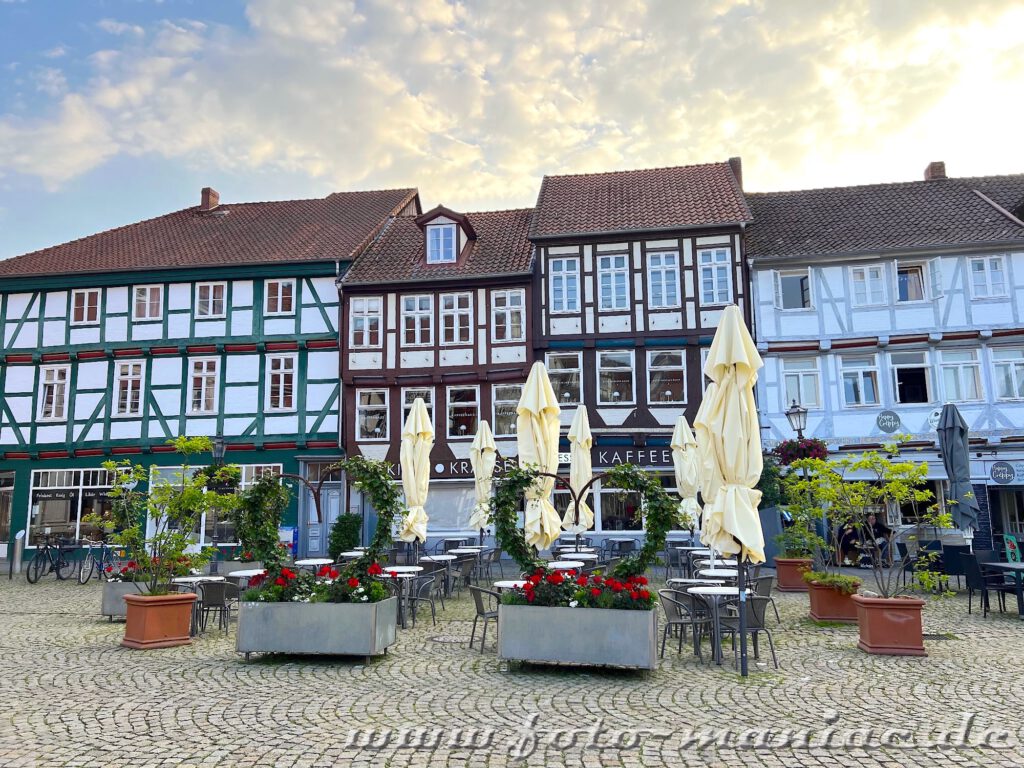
113 604
332 629
587 636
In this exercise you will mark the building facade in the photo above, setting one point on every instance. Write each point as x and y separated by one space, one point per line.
876 305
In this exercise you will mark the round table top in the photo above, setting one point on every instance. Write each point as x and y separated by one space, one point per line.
509 584
458 538
248 573
466 551
571 548
726 573
351 553
194 579
709 582
621 538
438 558
695 549
728 562
574 555
713 591
389 569
314 561
397 575
565 565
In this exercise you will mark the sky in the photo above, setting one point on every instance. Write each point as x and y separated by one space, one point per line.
112 111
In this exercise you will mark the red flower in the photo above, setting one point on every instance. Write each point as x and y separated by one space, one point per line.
353 582
581 581
324 570
131 564
556 578
570 573
280 581
535 579
634 595
596 579
528 586
393 574
109 568
645 595
375 569
529 597
640 580
334 573
595 592
616 587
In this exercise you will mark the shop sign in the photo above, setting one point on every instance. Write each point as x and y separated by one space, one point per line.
1007 473
641 457
888 421
54 493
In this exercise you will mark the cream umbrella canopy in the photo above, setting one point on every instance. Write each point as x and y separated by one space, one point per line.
580 443
686 462
537 428
483 454
417 440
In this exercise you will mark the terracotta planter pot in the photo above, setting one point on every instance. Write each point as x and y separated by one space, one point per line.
828 604
789 573
890 626
158 621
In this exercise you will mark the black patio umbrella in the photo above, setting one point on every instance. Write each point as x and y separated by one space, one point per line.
956 457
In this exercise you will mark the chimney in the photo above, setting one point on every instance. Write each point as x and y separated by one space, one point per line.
737 169
935 170
209 199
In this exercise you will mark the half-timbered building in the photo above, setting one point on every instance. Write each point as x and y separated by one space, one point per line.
219 319
877 304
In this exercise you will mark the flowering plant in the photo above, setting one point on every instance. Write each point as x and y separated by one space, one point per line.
789 451
328 585
569 589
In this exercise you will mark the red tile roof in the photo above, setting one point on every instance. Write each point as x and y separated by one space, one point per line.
501 247
334 228
655 199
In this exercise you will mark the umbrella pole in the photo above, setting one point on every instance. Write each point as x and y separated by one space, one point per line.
741 584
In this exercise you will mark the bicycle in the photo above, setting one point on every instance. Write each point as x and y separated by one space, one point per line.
92 563
50 557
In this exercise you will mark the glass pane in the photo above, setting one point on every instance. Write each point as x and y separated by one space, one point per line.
620 511
667 386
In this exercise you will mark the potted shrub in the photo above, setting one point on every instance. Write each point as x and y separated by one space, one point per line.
798 543
257 517
564 617
156 530
832 596
347 612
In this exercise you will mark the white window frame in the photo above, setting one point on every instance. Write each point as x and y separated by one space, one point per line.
140 385
632 372
359 309
926 288
61 381
494 407
293 369
147 317
438 255
927 365
423 319
1016 366
651 368
713 267
962 369
428 401
212 287
664 275
868 301
509 311
578 369
385 435
457 312
558 285
802 375
192 361
778 274
987 261
280 282
618 282
448 410
86 292
861 371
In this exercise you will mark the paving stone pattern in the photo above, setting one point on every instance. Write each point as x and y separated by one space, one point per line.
72 696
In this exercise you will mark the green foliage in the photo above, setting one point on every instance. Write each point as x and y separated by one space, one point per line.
257 517
373 479
770 484
508 492
344 535
566 589
800 538
847 585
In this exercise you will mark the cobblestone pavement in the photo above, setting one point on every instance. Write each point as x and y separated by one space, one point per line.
73 696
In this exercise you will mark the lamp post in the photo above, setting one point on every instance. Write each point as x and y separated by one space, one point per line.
797 416
218 462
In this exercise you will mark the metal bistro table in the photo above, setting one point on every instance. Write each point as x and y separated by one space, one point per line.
565 565
193 581
1017 569
313 562
403 574
502 586
714 596
446 561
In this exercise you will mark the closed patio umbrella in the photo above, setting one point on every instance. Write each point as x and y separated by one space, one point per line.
483 454
537 429
956 457
417 440
686 461
580 472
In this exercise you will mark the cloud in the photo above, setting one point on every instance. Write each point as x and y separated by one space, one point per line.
474 102
56 52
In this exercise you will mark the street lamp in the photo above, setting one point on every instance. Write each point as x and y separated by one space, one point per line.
218 463
797 416
218 450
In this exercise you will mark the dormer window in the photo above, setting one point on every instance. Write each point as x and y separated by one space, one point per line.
441 240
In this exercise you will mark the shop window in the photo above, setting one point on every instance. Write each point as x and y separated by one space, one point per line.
61 498
620 511
463 411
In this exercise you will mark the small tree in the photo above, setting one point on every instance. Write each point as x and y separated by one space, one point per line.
257 517
770 483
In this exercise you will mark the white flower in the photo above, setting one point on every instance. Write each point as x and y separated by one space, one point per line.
364 598
359 590
573 603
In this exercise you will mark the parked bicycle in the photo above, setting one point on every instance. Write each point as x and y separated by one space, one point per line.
51 558
98 557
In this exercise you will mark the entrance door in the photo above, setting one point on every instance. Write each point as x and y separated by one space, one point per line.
6 496
330 507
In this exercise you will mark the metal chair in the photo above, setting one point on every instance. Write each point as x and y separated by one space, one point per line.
422 591
757 606
682 612
978 581
484 599
952 563
463 575
213 597
762 585
491 558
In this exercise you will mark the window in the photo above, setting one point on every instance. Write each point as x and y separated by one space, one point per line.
456 318
210 299
910 283
663 279
961 375
371 414
128 386
148 302
988 278
715 276
53 392
410 394
868 285
506 401
1009 365
614 378
564 372
441 243
508 323
280 298
565 285
666 377
620 511
85 307
911 376
61 499
1011 503
203 397
613 281
860 380
793 289
364 322
281 382
800 376
463 411
417 320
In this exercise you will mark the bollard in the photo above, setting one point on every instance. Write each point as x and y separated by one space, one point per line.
19 550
